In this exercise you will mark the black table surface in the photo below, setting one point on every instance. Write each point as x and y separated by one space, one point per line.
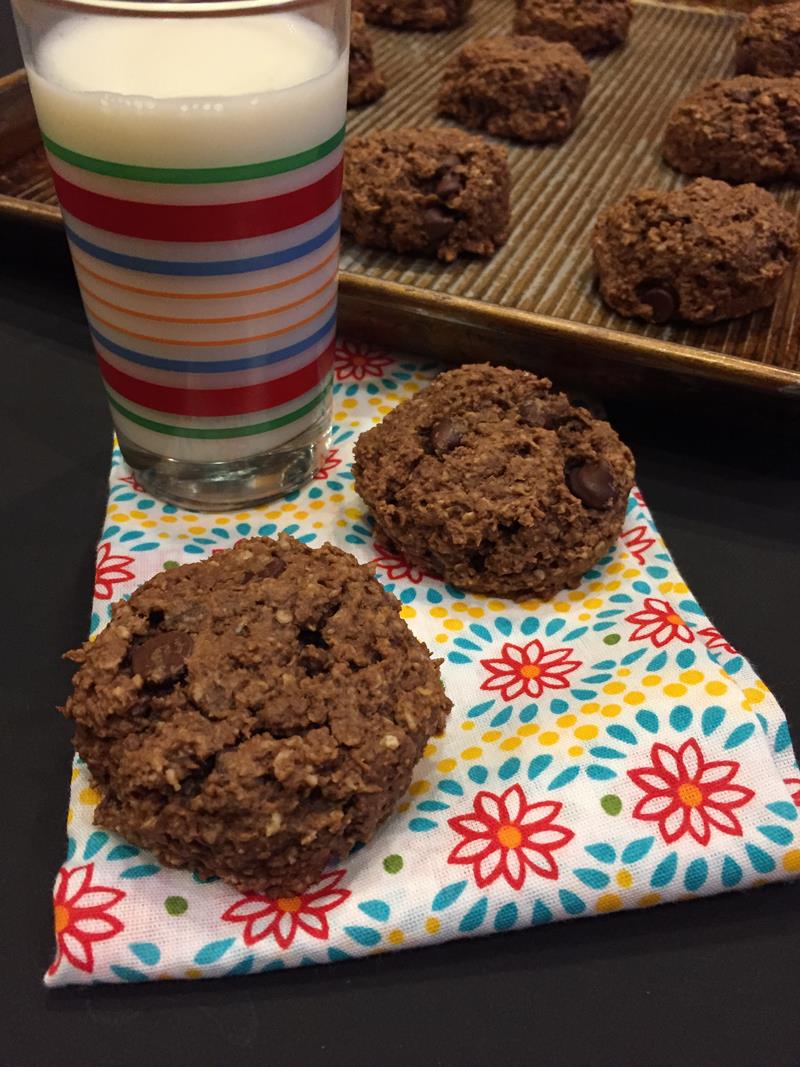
709 982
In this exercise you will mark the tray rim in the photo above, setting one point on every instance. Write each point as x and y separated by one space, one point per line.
625 348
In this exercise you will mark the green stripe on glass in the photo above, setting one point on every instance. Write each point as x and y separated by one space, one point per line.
220 434
195 175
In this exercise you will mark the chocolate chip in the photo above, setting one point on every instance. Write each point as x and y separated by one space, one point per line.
450 160
661 298
437 223
274 568
162 656
446 435
593 484
537 414
450 184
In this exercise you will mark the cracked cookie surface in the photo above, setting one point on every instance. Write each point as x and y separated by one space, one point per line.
521 87
435 191
707 252
589 25
494 482
740 130
768 41
256 715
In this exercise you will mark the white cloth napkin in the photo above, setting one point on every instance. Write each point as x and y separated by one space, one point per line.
608 749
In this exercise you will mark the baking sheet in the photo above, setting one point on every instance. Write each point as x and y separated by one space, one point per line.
546 266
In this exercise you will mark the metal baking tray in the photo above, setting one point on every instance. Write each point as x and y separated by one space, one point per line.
534 303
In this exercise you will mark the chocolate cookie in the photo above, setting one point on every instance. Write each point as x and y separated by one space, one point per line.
589 25
768 41
256 715
365 84
523 87
414 14
436 191
707 252
495 483
743 130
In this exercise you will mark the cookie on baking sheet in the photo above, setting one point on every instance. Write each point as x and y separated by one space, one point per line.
435 191
494 482
414 14
589 25
521 87
742 130
256 715
768 41
707 252
364 84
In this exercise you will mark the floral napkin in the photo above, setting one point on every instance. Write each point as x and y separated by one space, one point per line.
608 749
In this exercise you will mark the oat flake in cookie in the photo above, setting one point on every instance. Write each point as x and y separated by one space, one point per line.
434 191
707 252
522 87
256 715
494 482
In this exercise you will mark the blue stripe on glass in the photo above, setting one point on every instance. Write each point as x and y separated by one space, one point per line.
210 268
221 366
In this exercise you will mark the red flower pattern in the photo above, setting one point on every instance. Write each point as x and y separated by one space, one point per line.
358 361
637 542
506 837
396 567
238 541
659 623
331 462
282 917
529 670
686 794
793 785
131 480
81 916
714 641
110 571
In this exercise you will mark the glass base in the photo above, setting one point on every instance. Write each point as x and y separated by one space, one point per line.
228 485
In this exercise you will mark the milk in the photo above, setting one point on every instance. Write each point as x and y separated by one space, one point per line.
198 164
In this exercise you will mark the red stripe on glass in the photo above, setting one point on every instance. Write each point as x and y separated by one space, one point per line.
213 403
197 223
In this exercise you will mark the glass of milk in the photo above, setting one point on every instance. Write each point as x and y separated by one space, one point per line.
196 149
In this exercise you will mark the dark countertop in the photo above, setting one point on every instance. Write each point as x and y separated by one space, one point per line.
708 982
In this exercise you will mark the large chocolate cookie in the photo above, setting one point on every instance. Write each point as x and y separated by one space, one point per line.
522 87
768 41
490 480
434 191
707 252
256 715
742 130
589 25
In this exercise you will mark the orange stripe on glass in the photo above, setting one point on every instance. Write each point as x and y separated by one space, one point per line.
215 321
201 296
222 341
